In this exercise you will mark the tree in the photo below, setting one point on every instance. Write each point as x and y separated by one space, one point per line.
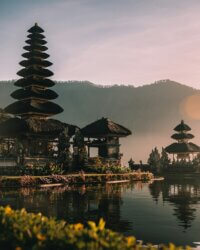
164 160
196 162
131 164
154 160
64 154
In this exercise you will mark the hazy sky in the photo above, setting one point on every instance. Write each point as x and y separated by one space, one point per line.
107 41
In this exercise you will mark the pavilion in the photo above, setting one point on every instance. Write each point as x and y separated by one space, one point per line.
182 149
104 135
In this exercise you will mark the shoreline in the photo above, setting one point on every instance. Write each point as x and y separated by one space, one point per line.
69 179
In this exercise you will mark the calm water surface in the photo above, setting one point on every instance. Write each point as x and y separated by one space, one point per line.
158 212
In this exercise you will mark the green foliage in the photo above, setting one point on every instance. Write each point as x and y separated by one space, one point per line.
154 160
21 230
184 166
192 166
196 161
38 170
71 179
158 162
100 166
164 159
131 164
104 169
107 169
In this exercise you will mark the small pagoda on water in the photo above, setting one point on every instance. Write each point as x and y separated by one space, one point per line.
30 131
182 149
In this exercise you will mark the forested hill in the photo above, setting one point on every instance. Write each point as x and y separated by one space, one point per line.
150 108
150 111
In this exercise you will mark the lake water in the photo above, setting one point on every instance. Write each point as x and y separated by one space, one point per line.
158 212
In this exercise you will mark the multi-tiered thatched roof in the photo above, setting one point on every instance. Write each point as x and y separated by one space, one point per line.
33 108
34 97
182 145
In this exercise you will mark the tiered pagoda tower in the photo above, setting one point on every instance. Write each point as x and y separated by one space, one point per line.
183 149
34 96
31 132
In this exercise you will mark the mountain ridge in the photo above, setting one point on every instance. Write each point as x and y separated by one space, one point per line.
83 96
89 83
150 111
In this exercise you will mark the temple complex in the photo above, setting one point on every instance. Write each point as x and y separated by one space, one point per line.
182 149
30 132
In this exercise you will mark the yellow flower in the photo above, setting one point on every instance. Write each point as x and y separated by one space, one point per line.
78 226
8 210
101 224
18 248
41 237
93 235
171 246
130 241
92 225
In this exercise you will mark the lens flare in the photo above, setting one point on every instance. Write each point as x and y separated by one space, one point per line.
191 107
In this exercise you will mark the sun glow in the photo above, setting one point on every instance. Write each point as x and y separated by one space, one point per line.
191 107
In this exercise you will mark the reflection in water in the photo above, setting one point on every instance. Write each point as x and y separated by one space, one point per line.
182 194
153 212
73 204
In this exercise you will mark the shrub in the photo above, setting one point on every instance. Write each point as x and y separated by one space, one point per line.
105 169
22 230
38 170
27 181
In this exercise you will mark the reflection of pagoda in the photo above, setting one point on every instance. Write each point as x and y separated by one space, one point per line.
183 195
182 148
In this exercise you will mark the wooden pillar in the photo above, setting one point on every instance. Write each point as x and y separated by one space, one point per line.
88 148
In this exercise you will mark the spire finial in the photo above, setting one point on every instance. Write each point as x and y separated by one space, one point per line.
36 24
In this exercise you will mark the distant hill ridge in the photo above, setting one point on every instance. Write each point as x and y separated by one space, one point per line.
143 109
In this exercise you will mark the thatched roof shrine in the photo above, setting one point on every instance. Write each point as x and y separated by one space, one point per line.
16 127
104 127
29 136
182 148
